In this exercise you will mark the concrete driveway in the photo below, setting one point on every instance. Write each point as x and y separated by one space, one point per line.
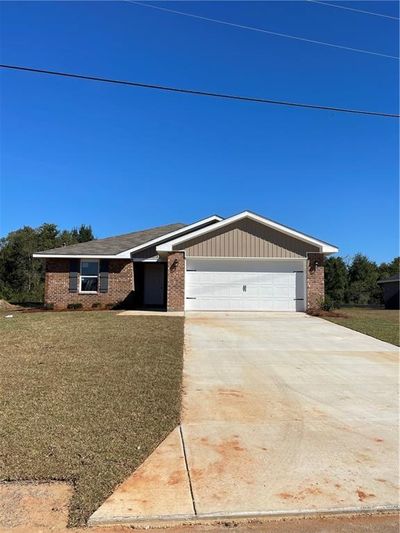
282 414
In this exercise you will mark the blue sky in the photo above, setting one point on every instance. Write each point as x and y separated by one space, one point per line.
121 158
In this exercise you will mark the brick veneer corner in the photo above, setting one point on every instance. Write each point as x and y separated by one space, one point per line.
176 282
315 281
120 285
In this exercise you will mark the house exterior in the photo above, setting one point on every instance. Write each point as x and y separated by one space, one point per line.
245 262
391 291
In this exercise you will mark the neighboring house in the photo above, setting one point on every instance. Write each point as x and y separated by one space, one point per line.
390 287
245 262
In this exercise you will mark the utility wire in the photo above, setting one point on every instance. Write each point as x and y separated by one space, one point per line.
198 93
353 9
261 30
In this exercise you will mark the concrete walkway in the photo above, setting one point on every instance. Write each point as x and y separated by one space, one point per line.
282 414
154 312
39 507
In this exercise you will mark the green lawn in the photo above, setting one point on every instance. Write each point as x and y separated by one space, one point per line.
86 397
382 324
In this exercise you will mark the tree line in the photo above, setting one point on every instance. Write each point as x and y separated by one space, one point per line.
22 276
355 281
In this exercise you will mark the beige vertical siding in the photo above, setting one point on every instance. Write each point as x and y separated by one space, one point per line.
247 238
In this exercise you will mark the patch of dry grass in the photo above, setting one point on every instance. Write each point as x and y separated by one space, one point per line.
86 397
382 324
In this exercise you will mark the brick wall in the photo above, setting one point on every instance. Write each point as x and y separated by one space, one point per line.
176 282
120 285
315 281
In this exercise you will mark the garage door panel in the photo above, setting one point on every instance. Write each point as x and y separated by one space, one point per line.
243 265
250 285
212 289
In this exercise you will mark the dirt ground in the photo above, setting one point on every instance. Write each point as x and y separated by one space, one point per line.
43 507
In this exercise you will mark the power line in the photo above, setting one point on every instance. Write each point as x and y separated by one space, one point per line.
261 30
353 9
197 92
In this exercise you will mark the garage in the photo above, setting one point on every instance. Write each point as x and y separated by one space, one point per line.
245 263
232 284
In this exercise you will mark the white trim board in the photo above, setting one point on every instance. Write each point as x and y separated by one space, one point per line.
323 246
190 227
73 256
231 258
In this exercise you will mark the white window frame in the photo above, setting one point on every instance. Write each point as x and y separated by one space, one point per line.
84 276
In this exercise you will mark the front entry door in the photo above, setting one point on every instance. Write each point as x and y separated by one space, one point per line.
154 284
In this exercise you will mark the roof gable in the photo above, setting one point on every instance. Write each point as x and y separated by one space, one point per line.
247 238
316 244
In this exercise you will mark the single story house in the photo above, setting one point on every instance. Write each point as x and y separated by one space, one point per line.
245 262
391 293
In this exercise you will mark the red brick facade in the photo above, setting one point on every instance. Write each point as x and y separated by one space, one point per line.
315 281
120 285
176 282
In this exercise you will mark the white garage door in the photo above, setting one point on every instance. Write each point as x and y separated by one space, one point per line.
244 285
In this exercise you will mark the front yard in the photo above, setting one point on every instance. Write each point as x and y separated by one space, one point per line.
382 324
86 397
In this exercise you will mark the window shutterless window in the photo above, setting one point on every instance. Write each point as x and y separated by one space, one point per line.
89 281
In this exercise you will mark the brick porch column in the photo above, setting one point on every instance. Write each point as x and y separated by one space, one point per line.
315 281
176 282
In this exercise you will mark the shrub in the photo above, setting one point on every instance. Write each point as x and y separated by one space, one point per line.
117 305
328 304
49 306
74 306
96 305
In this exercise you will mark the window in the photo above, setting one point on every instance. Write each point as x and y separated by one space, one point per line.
89 275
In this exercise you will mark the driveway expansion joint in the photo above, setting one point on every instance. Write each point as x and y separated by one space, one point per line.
187 470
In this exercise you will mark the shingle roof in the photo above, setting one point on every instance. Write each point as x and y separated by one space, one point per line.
114 245
395 277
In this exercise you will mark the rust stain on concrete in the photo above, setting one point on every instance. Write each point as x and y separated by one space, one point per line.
226 447
362 496
224 404
222 457
302 494
285 495
159 486
230 392
176 477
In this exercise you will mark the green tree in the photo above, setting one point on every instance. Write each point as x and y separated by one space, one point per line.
46 236
22 276
363 277
85 233
336 280
389 269
20 273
